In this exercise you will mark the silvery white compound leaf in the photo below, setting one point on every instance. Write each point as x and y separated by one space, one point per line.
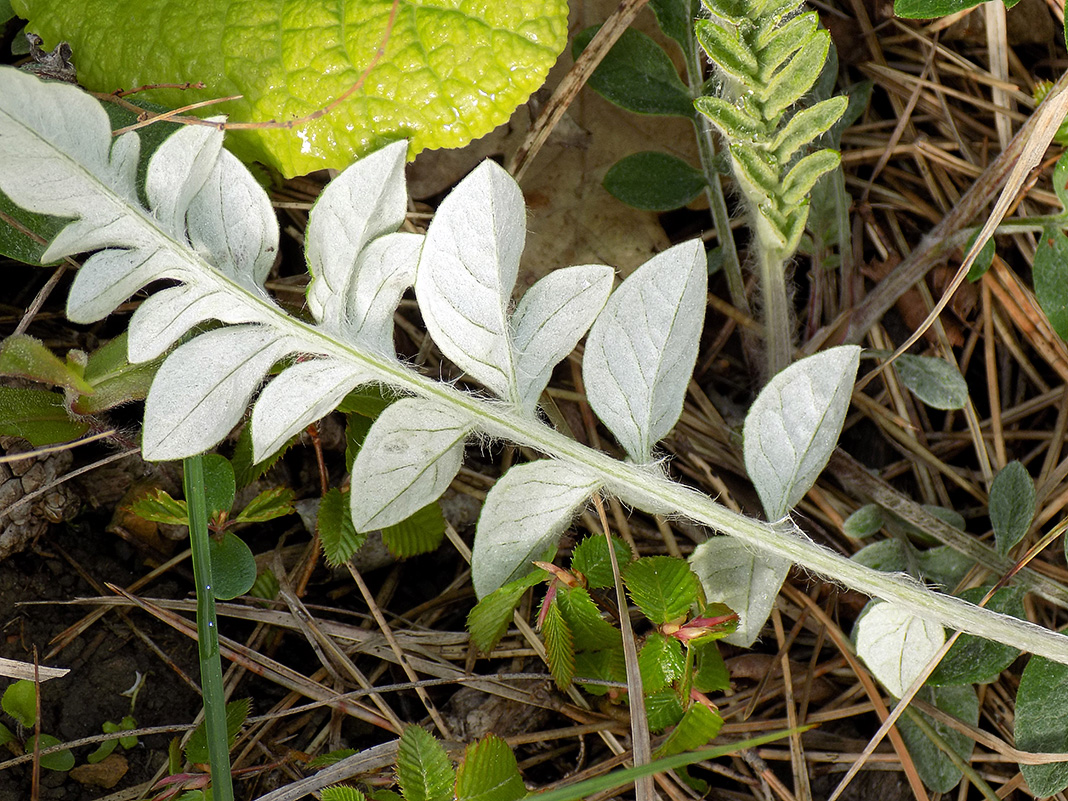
793 426
411 454
641 350
747 581
525 513
300 395
549 321
466 274
109 277
178 170
202 389
386 269
232 224
896 645
59 158
364 202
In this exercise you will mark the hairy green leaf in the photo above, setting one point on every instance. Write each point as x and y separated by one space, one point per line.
559 645
936 382
699 724
935 767
799 181
339 538
792 81
864 522
1051 278
1012 505
591 559
451 71
636 74
1041 723
728 52
38 416
732 120
489 773
663 587
806 125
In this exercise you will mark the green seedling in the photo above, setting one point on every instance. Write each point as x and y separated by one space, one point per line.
19 701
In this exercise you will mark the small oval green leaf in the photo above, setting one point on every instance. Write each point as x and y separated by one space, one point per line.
1051 278
936 382
233 567
654 181
1012 505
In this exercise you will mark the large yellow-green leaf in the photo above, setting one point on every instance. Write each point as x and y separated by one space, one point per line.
452 70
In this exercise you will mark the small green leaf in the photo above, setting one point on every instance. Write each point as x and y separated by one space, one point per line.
245 471
591 632
662 709
806 126
336 532
1060 180
636 74
196 749
265 586
367 401
605 665
38 416
1051 278
102 752
710 674
752 169
6 735
559 646
420 533
424 771
1041 709
798 76
929 9
233 567
331 758
732 121
128 723
490 618
342 792
159 507
15 243
886 556
654 181
782 41
944 566
803 175
114 380
489 773
60 761
357 427
1012 505
663 587
727 51
20 701
590 558
219 483
676 18
660 662
983 259
936 382
974 660
935 767
268 505
698 726
864 522
23 356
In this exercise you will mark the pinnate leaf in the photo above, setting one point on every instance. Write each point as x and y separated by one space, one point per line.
698 725
524 515
410 456
342 792
661 662
663 587
747 582
641 349
793 426
591 631
896 645
559 645
1012 505
489 773
336 533
424 772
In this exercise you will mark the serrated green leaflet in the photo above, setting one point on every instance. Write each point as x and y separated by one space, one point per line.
489 620
590 630
661 662
590 558
559 646
452 70
489 773
662 587
341 792
698 725
420 533
336 532
423 768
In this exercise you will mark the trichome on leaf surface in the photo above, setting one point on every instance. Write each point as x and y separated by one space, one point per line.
201 221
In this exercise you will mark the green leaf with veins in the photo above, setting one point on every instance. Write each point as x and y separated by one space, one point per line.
452 70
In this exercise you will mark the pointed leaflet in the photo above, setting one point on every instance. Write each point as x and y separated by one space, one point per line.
525 513
466 273
298 397
733 574
424 771
203 388
366 201
411 453
662 587
793 426
642 347
896 645
489 773
549 321
1012 505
